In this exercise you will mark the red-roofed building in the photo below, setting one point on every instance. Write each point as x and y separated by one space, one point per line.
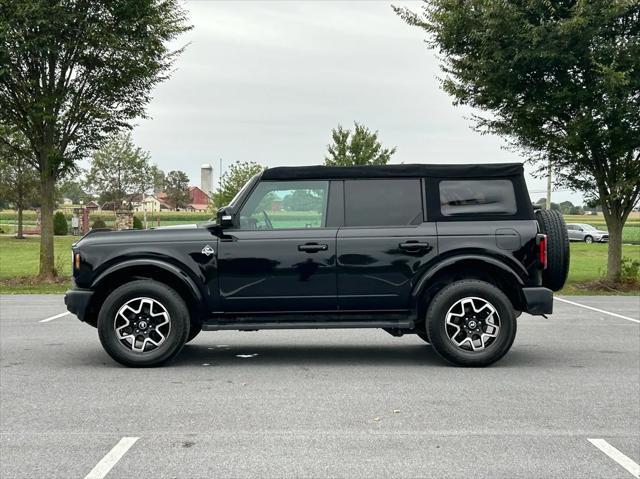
199 199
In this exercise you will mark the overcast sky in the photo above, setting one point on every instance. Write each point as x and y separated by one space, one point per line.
266 81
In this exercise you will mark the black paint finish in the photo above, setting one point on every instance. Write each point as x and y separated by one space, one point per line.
320 275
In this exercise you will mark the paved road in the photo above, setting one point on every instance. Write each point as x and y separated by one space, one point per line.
354 403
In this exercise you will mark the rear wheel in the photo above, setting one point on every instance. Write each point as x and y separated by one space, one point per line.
143 323
471 323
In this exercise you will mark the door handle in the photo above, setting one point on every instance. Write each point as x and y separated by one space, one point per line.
312 247
414 246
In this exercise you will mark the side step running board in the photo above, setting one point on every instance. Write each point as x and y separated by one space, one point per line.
250 326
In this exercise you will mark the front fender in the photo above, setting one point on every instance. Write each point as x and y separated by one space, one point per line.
147 262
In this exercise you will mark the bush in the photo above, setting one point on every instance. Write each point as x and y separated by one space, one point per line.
137 224
59 224
630 270
98 223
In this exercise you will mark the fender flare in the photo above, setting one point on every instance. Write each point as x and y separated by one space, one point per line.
174 270
422 283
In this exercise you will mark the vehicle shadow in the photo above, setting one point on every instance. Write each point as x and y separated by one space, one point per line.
262 355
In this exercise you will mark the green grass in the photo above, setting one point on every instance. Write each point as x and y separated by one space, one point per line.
589 263
19 259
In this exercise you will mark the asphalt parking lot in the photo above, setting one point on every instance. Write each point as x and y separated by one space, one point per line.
336 403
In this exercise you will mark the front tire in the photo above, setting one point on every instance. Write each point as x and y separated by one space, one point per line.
588 239
471 323
143 323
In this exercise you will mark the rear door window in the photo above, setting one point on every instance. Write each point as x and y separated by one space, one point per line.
472 197
392 202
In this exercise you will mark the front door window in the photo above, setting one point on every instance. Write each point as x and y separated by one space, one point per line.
286 205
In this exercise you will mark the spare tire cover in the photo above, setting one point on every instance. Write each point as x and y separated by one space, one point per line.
552 224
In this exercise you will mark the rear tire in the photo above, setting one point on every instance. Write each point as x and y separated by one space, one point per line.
552 224
471 323
143 323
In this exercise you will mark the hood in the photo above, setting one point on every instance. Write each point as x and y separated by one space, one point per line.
166 233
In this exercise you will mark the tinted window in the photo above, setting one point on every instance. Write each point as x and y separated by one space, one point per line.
285 204
471 197
383 202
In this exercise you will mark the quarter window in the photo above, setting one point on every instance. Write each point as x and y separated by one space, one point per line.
392 202
285 204
471 197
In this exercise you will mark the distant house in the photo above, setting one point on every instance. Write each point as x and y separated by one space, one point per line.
153 203
92 205
199 199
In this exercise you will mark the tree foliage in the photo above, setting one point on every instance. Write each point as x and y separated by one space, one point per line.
560 79
119 171
355 148
72 71
18 181
233 180
177 189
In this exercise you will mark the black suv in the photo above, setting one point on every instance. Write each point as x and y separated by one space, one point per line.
452 253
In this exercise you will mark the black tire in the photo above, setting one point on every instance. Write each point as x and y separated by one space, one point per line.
177 315
423 335
588 239
552 224
194 330
437 328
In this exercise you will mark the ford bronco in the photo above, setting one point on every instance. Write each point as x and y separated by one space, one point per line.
452 253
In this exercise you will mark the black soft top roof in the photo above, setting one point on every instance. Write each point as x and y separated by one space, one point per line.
391 171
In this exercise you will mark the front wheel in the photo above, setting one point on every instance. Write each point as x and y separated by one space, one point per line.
143 323
471 323
588 239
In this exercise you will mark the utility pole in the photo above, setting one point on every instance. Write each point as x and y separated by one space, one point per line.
220 175
549 187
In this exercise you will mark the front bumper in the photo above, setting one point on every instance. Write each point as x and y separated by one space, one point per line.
77 301
537 300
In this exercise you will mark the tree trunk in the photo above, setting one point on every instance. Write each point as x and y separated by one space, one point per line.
20 234
47 268
614 256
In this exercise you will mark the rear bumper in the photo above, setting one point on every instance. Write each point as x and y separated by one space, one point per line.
77 301
537 300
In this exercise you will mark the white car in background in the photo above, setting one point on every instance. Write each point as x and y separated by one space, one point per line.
586 233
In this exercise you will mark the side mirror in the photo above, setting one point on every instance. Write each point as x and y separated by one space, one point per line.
226 217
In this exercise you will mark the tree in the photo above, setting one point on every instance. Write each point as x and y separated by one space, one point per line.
303 200
565 207
72 71
560 80
360 147
119 171
18 181
74 190
177 189
233 180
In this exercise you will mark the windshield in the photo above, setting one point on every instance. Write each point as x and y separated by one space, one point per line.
242 190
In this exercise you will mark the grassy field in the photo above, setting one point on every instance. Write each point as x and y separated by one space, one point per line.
19 259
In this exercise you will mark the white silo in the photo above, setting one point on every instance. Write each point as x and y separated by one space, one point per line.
206 178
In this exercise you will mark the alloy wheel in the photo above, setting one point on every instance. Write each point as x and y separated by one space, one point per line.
142 324
472 324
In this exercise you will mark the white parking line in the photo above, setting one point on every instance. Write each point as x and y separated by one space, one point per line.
46 320
629 464
596 309
112 457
